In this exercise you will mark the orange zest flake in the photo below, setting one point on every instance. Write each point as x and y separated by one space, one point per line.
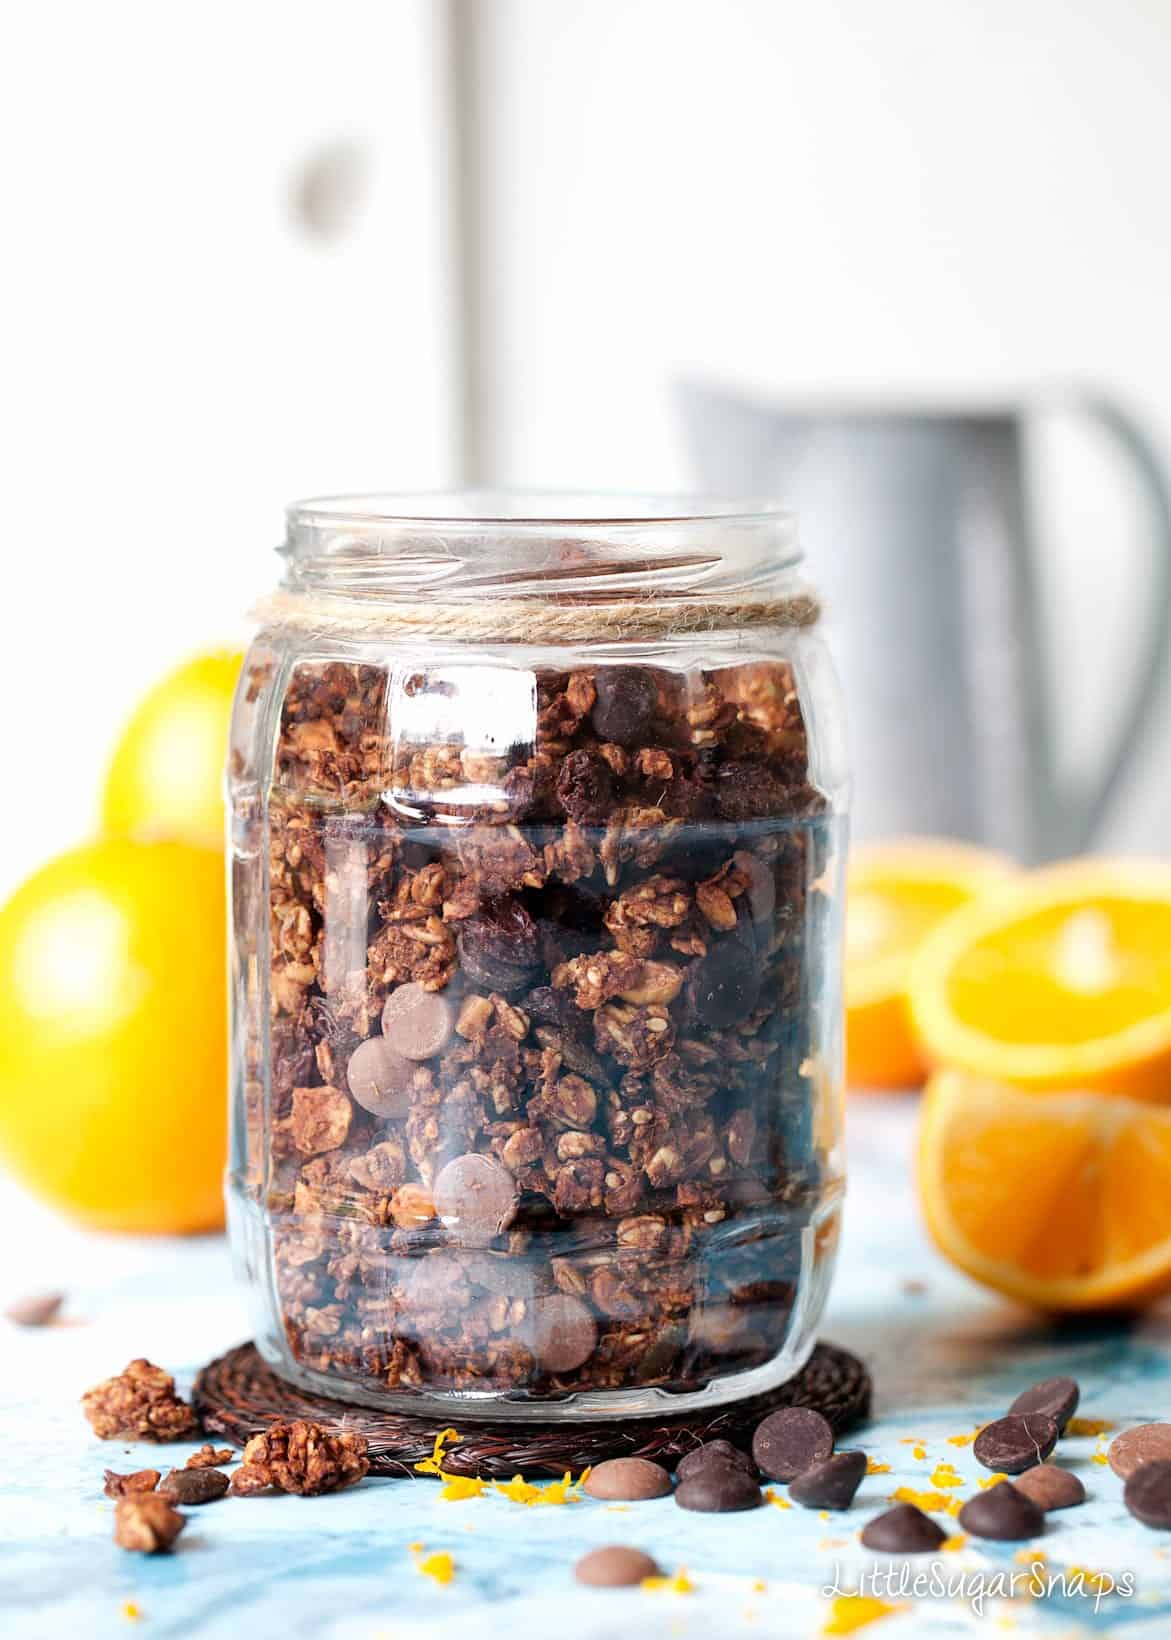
457 1488
1089 1426
943 1475
1027 1557
917 1444
440 1566
964 1440
832 1543
770 1496
759 1586
957 1541
131 1612
873 1467
1099 1456
518 1490
850 1612
939 1501
679 1584
434 1464
992 1480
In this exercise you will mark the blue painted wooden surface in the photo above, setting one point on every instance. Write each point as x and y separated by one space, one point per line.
945 1356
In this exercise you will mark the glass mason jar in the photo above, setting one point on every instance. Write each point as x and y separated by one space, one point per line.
536 862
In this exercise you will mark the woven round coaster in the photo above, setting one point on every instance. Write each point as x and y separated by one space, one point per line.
238 1395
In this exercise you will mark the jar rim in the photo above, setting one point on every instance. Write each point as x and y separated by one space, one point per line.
528 509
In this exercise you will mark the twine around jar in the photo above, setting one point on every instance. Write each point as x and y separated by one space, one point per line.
520 620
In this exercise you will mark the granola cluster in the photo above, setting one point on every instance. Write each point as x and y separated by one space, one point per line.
139 1404
532 1058
301 1457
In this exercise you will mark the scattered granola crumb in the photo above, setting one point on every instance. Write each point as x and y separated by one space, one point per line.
912 1287
1090 1426
37 1310
121 1486
301 1457
146 1522
873 1467
210 1457
679 1584
139 1404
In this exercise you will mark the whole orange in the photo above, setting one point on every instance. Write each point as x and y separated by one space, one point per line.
113 1052
166 777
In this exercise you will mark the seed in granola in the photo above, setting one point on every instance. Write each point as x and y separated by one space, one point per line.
380 1079
585 788
564 1334
475 1193
417 1023
627 698
147 1522
189 1486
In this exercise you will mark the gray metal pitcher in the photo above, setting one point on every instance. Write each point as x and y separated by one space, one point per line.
919 522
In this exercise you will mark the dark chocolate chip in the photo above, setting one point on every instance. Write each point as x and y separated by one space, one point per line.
500 948
1016 1443
723 987
564 1334
1147 1494
626 703
416 1023
718 1489
791 1441
832 1484
714 1452
475 1193
1051 1487
188 1486
1056 1397
750 791
380 1079
614 1566
1002 1513
903 1530
585 788
627 1480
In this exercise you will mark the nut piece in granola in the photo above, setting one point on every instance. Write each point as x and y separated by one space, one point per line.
210 1457
321 1119
416 1023
301 1457
120 1486
147 1522
139 1404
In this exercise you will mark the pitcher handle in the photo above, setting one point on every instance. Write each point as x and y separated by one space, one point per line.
1086 811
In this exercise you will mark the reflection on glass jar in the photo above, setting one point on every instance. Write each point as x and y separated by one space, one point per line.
537 877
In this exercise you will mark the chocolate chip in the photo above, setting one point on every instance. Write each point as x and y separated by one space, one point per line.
903 1530
1002 1513
614 1566
791 1441
626 703
1015 1443
475 1193
187 1486
585 788
500 948
380 1079
832 1484
714 1452
417 1023
564 1333
628 1480
37 1310
1147 1493
750 791
723 987
1051 1487
1149 1443
718 1489
1056 1397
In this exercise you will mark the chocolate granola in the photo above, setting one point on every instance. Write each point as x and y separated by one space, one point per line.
545 1047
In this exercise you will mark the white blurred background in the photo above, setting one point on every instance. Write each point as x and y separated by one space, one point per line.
266 250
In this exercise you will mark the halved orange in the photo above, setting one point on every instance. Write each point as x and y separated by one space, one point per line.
897 893
1061 978
1057 1199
